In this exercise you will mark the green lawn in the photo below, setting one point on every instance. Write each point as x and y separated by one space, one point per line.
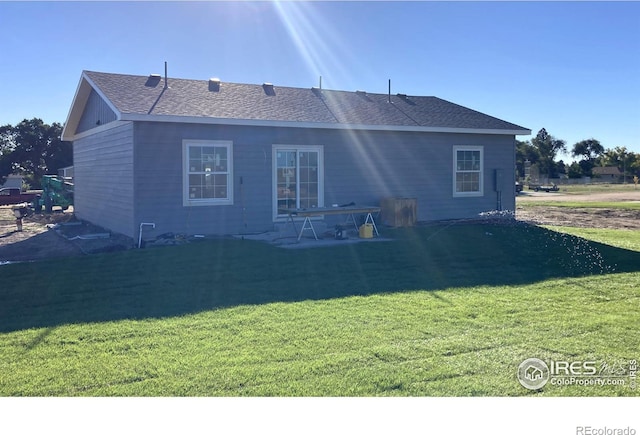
440 311
625 239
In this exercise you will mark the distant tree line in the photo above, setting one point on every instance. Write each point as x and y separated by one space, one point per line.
33 149
541 153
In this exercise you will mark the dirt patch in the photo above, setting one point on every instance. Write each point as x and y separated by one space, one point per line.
583 217
53 235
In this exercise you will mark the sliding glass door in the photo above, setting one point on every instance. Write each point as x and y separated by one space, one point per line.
298 177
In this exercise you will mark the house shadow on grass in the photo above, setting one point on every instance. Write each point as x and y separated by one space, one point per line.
214 274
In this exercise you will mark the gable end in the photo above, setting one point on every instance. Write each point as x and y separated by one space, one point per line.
96 112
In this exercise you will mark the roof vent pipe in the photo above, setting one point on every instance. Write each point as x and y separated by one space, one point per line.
165 75
389 100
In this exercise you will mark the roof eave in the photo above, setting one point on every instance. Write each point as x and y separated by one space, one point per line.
99 129
323 125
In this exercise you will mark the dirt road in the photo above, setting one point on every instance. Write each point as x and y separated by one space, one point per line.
531 196
579 217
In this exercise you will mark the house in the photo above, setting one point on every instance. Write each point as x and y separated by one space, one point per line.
14 181
607 173
211 157
66 172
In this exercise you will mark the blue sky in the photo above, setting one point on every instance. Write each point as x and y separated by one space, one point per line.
570 67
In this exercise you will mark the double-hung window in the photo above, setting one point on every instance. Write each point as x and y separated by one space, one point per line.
208 177
467 171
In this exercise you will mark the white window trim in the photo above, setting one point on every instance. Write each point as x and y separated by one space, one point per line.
457 148
274 175
188 202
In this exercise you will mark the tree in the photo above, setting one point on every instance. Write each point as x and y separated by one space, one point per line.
575 171
525 151
548 147
561 168
6 147
633 163
33 149
590 150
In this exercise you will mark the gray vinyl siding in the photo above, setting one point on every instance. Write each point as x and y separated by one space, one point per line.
366 167
103 177
360 167
96 112
159 178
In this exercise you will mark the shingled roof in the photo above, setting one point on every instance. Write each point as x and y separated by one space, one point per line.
140 98
606 170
